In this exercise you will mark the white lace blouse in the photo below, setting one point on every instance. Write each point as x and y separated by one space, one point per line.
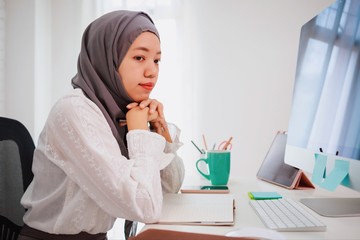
83 183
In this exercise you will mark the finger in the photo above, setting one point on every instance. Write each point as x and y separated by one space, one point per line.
154 106
158 127
145 103
163 123
153 116
160 109
132 105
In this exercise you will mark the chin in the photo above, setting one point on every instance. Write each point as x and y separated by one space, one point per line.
141 98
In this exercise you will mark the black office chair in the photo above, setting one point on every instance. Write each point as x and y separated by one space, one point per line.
130 228
16 156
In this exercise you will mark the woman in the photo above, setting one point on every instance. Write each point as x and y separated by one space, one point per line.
106 150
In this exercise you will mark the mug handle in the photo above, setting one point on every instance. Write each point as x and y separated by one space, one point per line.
207 176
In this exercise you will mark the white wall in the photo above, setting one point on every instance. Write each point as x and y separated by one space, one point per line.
42 45
244 54
2 55
239 67
19 60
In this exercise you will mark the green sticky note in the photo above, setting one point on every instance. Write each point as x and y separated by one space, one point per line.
264 195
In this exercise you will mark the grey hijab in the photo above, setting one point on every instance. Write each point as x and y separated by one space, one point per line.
104 44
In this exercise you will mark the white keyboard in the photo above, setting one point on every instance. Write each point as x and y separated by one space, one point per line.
286 215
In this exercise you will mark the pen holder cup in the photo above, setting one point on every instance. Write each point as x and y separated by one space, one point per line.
218 163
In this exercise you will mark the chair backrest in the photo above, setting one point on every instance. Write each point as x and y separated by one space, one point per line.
16 156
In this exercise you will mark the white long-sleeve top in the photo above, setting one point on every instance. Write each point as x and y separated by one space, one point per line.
83 183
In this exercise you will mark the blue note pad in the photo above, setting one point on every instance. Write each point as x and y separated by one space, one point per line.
264 195
319 172
338 174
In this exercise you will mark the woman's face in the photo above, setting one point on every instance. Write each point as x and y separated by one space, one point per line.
140 67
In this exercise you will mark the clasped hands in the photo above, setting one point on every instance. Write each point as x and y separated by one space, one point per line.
149 111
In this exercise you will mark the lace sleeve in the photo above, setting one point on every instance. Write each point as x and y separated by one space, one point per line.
172 176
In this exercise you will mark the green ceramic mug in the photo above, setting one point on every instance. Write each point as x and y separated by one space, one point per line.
218 163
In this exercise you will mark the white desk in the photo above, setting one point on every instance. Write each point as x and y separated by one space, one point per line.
245 216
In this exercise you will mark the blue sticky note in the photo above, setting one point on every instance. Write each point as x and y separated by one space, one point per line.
264 195
337 175
319 171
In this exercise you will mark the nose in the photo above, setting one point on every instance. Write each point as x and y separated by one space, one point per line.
152 70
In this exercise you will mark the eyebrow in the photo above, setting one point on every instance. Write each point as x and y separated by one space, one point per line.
145 49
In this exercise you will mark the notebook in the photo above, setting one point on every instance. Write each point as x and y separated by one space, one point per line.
198 209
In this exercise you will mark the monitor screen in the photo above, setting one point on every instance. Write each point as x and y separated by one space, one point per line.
325 114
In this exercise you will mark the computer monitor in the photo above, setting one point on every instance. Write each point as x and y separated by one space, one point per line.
325 113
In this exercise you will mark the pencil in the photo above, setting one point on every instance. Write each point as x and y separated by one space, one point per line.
203 136
227 143
197 147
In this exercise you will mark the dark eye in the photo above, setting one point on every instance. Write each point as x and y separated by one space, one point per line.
139 58
157 61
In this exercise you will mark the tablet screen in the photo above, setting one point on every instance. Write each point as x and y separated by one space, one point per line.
273 168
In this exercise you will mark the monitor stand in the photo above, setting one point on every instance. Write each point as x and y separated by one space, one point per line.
334 207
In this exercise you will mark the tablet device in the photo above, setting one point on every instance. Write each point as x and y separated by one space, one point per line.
273 168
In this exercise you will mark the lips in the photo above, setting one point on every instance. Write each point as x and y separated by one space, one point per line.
148 86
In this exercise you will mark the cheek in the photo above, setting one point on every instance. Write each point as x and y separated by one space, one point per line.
130 83
127 77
